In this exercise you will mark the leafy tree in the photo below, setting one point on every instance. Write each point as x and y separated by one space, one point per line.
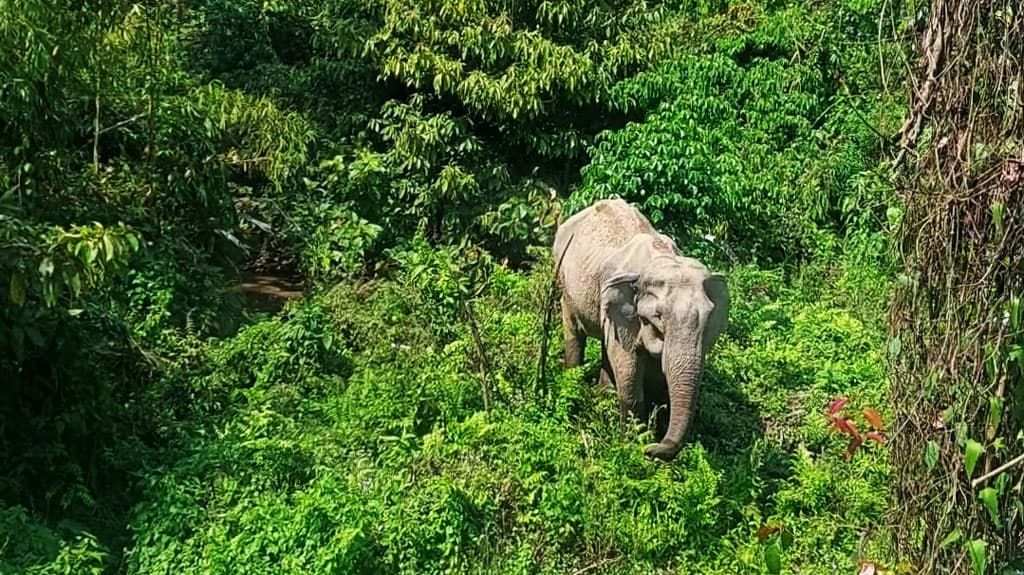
754 144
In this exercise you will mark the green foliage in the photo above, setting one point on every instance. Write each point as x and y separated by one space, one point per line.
394 466
758 144
151 421
520 61
34 549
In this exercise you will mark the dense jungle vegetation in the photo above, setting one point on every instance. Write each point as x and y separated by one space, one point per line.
407 163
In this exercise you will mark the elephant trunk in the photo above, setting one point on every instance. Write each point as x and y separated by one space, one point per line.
683 370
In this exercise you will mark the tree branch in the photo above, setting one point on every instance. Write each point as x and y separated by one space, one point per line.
998 470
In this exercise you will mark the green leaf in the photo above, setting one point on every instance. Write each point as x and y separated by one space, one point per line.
990 498
995 412
108 247
17 288
976 549
786 539
1000 483
895 347
997 217
931 455
972 451
773 558
952 538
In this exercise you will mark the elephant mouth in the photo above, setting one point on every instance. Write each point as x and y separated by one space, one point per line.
653 343
654 348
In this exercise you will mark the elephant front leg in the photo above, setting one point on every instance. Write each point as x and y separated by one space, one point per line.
628 374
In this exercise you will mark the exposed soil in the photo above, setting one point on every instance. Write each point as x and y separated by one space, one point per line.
267 292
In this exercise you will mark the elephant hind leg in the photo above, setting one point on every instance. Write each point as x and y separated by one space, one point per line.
606 381
575 339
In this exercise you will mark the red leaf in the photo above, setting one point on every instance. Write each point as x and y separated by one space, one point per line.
843 424
873 418
836 404
766 530
877 436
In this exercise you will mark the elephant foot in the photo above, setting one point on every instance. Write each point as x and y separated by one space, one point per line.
661 451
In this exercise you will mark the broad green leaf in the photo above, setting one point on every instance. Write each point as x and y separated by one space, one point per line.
952 538
773 558
786 539
895 347
972 451
1001 481
108 247
990 498
976 550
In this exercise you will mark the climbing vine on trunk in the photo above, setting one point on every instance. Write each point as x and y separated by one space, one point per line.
957 317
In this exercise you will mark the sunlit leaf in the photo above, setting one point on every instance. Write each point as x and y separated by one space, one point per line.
108 247
931 454
997 210
953 537
976 550
773 558
990 499
972 451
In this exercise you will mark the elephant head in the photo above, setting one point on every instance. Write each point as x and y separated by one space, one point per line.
674 309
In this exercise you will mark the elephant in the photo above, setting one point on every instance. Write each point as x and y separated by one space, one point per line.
656 312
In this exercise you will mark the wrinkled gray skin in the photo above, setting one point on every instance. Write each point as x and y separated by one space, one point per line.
655 312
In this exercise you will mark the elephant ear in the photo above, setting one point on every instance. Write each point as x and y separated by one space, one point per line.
619 318
717 291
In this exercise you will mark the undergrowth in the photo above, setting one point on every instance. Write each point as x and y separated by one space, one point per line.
374 452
